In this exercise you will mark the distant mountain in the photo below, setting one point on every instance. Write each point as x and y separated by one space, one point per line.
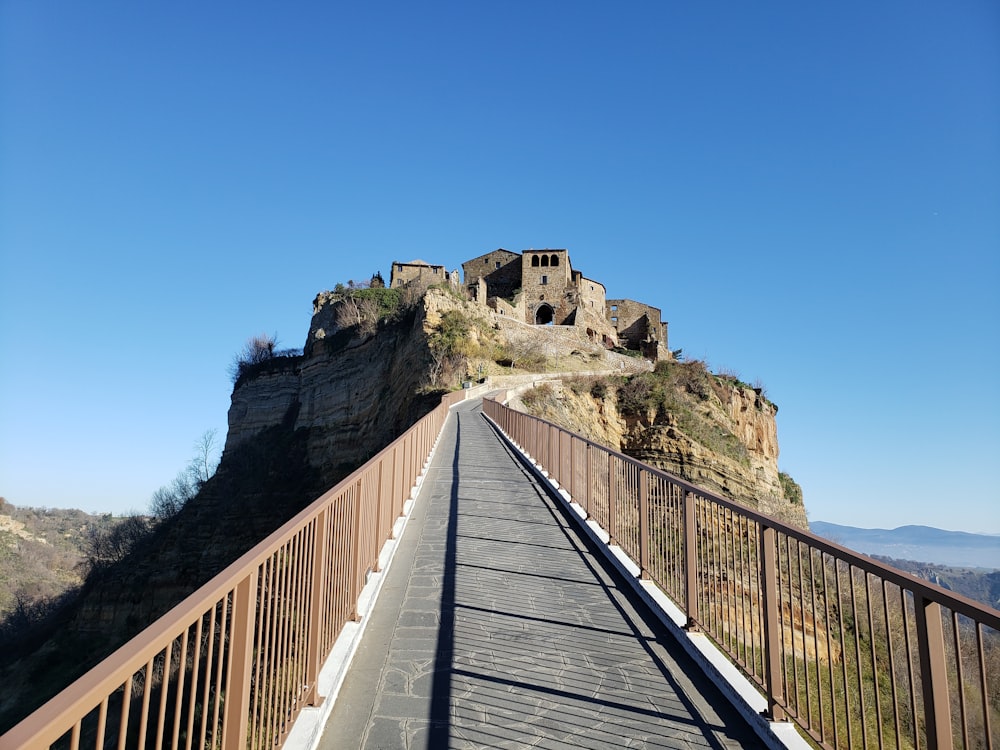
919 543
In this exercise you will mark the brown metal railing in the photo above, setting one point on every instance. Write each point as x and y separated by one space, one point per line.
858 654
233 664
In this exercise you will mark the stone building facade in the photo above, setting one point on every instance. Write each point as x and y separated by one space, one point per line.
639 327
419 273
540 287
499 271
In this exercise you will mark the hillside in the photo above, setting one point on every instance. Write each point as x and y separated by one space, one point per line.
923 544
374 361
978 584
42 551
711 430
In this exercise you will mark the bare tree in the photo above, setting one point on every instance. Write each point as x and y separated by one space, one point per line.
205 461
167 501
359 312
105 547
257 349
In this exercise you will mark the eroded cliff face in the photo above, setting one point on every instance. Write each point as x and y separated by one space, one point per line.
351 394
711 431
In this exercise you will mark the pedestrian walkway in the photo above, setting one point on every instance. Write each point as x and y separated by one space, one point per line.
499 627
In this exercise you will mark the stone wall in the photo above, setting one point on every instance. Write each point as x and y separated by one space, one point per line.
545 285
501 269
638 325
418 273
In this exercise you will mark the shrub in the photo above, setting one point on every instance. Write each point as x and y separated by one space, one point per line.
599 388
260 354
791 488
640 395
540 393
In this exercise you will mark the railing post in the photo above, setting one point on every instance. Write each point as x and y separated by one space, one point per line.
586 480
317 603
643 524
933 673
356 583
612 501
384 527
572 466
237 703
772 623
691 560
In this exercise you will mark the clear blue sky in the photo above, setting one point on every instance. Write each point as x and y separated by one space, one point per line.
810 193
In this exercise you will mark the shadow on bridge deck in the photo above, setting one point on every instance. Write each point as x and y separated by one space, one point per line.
499 626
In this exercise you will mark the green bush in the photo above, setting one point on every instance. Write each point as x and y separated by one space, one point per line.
791 488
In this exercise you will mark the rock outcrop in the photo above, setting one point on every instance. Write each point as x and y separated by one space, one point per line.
710 430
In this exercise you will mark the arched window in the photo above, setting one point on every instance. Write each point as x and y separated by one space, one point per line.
545 260
534 260
555 260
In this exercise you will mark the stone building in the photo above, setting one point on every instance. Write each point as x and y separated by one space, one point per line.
497 274
639 327
539 287
419 273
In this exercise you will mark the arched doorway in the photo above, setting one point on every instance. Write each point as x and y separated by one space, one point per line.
544 315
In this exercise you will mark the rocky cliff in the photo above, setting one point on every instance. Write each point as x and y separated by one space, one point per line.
710 430
299 423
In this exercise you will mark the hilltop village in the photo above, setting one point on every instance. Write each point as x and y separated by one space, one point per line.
540 287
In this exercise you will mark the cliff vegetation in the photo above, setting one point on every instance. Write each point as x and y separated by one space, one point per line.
374 361
711 430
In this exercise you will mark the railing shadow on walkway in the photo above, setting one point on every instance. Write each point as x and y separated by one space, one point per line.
493 659
856 653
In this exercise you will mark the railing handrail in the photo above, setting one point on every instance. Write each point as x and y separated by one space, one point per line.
727 578
53 719
953 600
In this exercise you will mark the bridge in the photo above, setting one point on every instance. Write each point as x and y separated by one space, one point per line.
491 580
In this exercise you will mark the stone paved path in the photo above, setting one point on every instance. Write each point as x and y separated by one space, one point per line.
497 627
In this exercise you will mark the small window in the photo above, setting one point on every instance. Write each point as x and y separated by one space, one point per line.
614 320
591 287
614 308
545 279
436 270
399 267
